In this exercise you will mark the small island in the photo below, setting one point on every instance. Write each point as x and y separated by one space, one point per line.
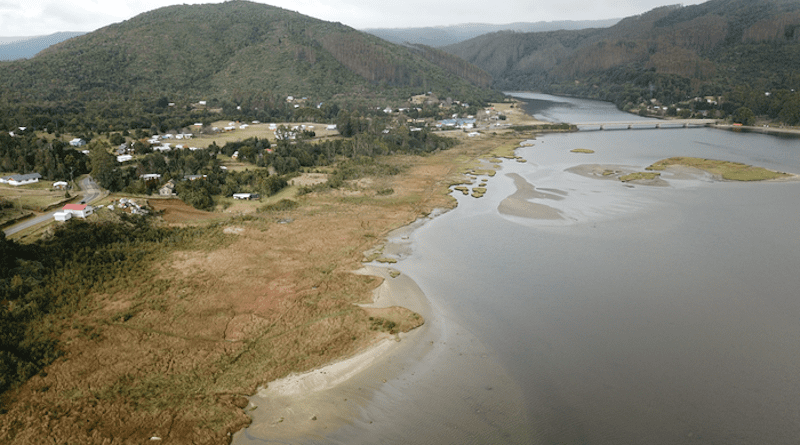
732 171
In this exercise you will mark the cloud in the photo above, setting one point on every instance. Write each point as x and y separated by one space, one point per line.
39 17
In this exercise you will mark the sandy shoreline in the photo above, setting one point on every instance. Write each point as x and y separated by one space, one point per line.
418 386
319 401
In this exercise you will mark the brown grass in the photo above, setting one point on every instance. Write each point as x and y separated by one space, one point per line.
253 299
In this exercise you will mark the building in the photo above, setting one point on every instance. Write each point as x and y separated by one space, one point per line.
62 216
247 196
60 185
17 180
78 210
77 142
167 189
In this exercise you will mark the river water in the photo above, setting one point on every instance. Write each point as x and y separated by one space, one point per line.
647 314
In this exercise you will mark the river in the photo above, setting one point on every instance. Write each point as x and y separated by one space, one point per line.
660 315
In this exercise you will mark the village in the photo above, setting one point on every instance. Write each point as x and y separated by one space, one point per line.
62 198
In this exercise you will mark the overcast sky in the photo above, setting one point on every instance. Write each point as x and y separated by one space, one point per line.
41 17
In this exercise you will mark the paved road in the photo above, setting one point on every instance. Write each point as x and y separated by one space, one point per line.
91 191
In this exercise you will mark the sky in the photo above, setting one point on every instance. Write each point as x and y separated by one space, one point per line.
42 17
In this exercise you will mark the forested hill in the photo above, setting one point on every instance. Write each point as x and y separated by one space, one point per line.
233 51
737 49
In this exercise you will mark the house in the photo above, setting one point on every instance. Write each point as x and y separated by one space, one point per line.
150 177
167 189
77 142
62 216
79 210
17 180
247 196
124 158
60 185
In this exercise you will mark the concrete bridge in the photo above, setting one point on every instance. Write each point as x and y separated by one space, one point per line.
667 123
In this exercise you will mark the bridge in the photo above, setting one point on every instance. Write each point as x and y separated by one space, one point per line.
668 123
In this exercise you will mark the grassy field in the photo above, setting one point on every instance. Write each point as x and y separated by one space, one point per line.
25 199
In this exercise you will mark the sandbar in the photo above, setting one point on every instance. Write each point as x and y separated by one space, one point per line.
518 205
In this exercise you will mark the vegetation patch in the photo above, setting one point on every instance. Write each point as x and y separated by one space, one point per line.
732 171
462 189
582 150
482 172
639 176
478 192
280 206
505 151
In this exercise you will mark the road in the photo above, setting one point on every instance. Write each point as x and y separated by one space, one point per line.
91 191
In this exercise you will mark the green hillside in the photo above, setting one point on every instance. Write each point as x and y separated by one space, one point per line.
734 50
234 53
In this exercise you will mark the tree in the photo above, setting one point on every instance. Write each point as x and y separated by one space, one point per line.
744 116
105 169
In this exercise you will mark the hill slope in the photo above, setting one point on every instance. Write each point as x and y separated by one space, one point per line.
231 51
721 48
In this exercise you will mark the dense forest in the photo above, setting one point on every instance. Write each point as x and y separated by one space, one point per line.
54 160
710 59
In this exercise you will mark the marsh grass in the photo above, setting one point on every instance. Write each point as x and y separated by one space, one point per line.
639 176
732 171
582 150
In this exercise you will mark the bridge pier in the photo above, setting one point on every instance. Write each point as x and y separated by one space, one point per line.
601 128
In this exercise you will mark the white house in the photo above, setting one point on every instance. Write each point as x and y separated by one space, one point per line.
247 196
79 210
60 185
77 142
124 158
62 216
17 180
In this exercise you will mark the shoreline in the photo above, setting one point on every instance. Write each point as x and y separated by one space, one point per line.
400 386
312 403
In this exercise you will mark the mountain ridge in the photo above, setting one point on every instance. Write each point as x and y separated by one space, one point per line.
439 36
735 49
197 48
